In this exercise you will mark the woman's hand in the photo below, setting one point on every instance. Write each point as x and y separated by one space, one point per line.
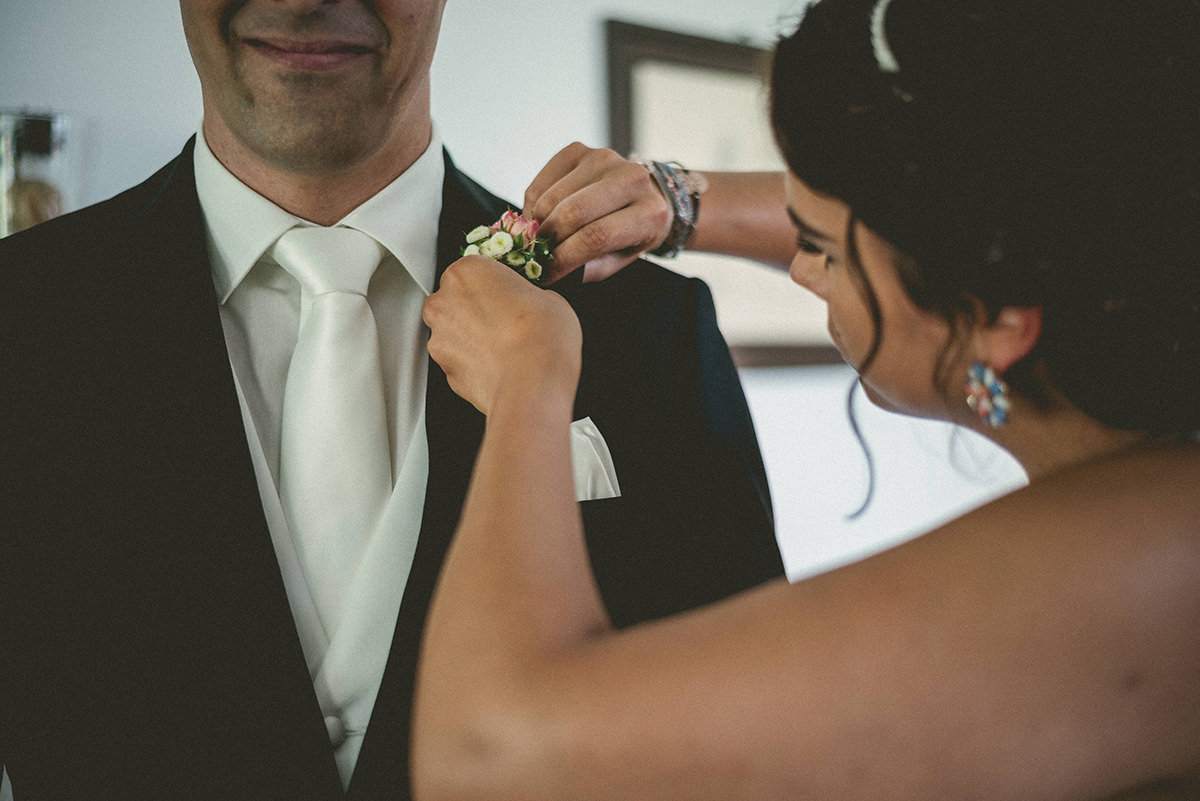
499 338
603 210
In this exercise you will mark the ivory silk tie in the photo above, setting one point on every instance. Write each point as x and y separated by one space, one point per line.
335 473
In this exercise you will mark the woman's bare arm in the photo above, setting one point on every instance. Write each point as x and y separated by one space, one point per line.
744 214
1041 647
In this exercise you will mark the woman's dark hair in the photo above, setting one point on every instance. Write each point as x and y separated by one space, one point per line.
1025 152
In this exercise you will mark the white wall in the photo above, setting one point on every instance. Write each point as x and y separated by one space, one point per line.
926 472
565 64
120 70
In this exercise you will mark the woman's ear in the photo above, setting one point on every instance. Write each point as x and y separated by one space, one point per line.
1009 336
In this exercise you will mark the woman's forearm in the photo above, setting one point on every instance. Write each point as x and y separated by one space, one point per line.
744 214
516 589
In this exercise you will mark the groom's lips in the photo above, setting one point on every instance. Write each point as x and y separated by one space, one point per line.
309 55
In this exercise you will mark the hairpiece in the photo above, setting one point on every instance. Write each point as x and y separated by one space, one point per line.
884 56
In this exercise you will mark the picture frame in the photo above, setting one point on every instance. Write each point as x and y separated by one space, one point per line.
703 102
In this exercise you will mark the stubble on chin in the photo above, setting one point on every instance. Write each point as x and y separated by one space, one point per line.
304 124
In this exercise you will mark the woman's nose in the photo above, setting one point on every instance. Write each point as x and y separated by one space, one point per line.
808 270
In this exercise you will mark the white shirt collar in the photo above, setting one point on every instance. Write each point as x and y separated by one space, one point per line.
242 224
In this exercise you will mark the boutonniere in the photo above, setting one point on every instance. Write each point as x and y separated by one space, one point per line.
512 240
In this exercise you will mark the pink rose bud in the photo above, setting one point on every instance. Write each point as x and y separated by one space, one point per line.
526 228
508 219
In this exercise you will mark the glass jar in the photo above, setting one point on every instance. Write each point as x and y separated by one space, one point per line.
35 169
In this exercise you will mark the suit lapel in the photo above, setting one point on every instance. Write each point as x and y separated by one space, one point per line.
250 673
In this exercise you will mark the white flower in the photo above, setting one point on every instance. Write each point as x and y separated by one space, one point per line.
512 241
479 234
500 243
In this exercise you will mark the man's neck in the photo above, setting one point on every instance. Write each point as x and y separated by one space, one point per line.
319 197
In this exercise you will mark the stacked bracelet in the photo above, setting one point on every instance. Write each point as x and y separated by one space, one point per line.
682 190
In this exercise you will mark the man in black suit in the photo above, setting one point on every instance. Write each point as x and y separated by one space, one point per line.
157 637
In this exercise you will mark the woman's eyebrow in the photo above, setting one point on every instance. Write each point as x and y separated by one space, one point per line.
804 227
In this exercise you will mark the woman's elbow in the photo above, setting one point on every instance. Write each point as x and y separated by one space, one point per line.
488 752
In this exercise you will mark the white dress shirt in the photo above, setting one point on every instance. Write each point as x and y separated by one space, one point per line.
259 308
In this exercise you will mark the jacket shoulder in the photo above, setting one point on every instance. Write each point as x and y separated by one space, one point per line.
70 252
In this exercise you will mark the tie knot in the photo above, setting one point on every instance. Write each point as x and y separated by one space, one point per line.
328 259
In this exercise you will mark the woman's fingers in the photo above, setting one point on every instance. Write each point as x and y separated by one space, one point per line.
563 163
597 206
488 324
613 240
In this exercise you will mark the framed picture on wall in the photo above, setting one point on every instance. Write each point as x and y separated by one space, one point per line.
703 102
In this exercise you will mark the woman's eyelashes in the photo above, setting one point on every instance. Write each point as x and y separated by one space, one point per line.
806 246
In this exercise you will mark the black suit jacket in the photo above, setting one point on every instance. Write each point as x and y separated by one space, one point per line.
147 649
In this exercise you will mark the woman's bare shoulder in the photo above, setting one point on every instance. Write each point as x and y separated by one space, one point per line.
1065 615
1150 493
1103 563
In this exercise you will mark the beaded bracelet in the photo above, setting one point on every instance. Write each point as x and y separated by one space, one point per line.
682 190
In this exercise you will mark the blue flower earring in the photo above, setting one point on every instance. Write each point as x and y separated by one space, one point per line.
987 395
